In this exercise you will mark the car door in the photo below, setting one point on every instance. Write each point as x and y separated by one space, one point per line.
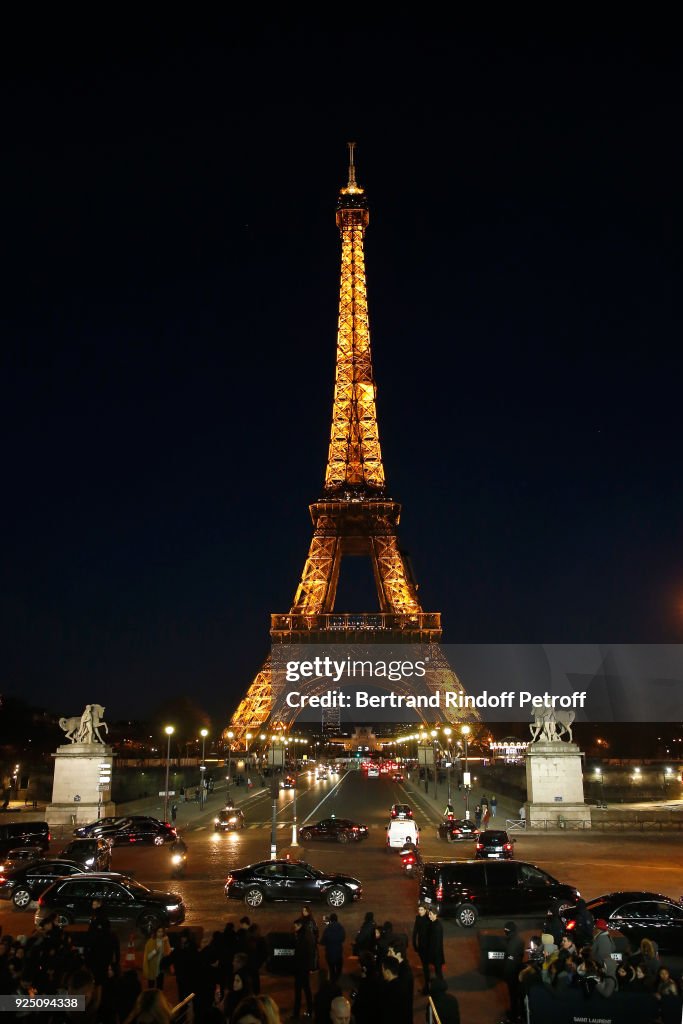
74 897
118 903
40 876
324 829
650 919
302 884
272 879
501 895
533 888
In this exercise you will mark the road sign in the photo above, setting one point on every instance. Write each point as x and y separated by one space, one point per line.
163 792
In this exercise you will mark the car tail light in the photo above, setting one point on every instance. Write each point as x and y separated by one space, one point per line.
41 901
2 879
508 846
457 831
228 880
355 828
480 846
570 925
439 892
49 837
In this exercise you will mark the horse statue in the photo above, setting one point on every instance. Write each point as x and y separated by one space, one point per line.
551 724
86 727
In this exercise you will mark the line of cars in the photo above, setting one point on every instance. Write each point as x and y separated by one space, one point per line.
67 884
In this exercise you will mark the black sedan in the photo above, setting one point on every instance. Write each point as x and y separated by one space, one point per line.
125 901
494 844
138 829
457 829
335 830
24 884
639 915
96 827
290 881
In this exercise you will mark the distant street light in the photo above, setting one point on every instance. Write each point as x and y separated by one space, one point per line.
169 730
202 770
465 730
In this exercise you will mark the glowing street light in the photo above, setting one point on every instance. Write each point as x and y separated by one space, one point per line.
465 731
169 730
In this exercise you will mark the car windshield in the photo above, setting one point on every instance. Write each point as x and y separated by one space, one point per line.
133 887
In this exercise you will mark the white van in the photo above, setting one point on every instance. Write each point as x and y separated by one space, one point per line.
400 832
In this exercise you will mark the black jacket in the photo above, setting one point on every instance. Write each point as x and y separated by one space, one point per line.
420 932
435 943
445 1004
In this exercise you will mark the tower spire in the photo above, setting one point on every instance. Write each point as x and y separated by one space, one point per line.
354 460
352 168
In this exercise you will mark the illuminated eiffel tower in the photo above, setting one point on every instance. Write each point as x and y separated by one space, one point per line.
353 517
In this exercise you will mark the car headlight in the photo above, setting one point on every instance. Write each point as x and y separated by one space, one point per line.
216 821
177 858
353 885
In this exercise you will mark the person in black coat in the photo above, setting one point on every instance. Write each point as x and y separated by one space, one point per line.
365 936
398 948
512 965
394 1007
333 940
367 999
304 963
445 1004
420 932
435 955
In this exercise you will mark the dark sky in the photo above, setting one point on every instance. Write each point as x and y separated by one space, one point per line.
170 278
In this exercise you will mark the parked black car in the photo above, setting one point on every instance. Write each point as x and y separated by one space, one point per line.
24 833
494 844
93 853
639 915
228 819
470 888
25 883
125 902
291 881
336 830
457 829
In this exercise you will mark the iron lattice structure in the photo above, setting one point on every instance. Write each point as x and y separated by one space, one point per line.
353 517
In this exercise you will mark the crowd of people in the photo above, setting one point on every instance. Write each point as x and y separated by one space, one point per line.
222 977
581 960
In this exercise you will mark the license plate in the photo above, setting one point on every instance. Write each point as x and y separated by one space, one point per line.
428 899
494 856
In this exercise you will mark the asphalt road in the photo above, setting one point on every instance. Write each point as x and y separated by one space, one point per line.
595 863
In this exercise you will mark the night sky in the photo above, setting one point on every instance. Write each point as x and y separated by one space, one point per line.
168 320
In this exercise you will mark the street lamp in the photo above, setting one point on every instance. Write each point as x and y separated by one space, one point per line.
231 736
169 730
447 733
466 775
434 735
202 769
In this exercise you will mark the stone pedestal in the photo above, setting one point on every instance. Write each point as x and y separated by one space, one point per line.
76 795
554 786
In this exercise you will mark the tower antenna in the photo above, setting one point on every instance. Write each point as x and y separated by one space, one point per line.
352 167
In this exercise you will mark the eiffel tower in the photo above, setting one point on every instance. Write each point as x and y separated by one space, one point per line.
353 517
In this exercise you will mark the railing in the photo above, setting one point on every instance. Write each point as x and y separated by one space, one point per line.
432 1015
515 824
183 1013
380 621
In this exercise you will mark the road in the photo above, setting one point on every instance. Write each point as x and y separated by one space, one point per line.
595 863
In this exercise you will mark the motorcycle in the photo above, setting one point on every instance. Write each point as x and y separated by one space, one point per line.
411 862
178 859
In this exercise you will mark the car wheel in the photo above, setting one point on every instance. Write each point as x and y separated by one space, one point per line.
253 897
305 835
158 840
563 907
466 916
149 923
21 898
343 837
337 897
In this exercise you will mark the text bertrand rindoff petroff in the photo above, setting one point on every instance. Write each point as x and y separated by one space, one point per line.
394 671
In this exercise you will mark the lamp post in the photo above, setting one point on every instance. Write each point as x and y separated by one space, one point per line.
247 737
231 736
202 769
169 730
466 775
447 733
435 743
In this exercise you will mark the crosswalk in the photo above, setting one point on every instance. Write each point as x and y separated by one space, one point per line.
260 824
